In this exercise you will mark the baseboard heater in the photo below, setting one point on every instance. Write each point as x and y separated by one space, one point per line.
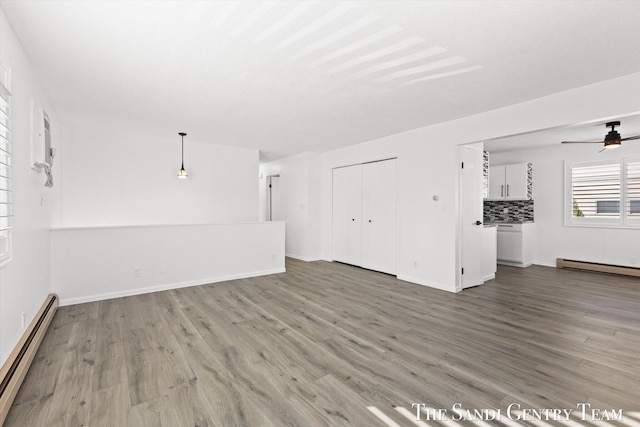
594 266
16 367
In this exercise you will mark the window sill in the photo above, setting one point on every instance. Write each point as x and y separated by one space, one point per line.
596 225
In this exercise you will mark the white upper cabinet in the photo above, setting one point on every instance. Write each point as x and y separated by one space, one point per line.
510 182
496 183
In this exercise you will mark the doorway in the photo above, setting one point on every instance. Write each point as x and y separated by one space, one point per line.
274 209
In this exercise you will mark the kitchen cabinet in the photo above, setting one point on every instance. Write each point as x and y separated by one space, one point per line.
365 215
510 182
515 245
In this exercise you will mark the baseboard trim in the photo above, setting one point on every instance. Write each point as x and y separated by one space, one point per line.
17 364
166 287
303 258
545 263
515 264
423 283
489 277
599 267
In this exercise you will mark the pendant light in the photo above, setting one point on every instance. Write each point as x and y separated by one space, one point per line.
182 173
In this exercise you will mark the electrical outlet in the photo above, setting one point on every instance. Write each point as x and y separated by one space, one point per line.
415 264
633 260
163 268
273 257
137 272
22 319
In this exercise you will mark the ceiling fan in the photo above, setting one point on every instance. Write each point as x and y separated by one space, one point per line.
611 140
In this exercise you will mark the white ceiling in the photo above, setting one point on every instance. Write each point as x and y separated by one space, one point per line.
292 76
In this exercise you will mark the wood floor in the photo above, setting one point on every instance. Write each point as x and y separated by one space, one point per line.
322 343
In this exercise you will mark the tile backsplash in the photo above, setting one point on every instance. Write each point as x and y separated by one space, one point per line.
516 211
485 174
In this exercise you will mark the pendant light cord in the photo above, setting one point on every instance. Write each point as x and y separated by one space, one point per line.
182 151
182 135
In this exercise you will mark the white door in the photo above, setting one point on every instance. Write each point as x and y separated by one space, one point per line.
516 181
496 183
471 215
379 216
347 215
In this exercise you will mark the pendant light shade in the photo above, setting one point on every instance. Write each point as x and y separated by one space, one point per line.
182 173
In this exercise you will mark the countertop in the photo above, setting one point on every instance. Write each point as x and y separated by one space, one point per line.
496 223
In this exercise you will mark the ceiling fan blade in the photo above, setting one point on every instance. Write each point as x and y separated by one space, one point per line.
630 138
583 142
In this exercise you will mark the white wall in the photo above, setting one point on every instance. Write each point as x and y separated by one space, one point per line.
115 174
552 238
300 202
426 228
90 264
24 282
428 165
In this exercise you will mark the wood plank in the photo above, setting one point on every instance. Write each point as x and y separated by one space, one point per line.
71 400
32 413
154 366
110 405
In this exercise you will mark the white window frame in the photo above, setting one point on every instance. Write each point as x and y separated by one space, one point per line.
624 221
6 233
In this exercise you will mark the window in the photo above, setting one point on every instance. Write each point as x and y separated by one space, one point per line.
6 206
608 207
597 190
633 189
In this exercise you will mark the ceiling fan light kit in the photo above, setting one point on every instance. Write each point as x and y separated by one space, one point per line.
610 145
611 140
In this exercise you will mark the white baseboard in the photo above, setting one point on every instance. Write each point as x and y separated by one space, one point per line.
139 291
545 263
515 264
489 277
303 258
423 283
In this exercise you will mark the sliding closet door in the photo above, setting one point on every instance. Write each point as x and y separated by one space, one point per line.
379 216
347 215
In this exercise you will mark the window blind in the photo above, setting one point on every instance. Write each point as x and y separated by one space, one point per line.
6 205
596 191
633 189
